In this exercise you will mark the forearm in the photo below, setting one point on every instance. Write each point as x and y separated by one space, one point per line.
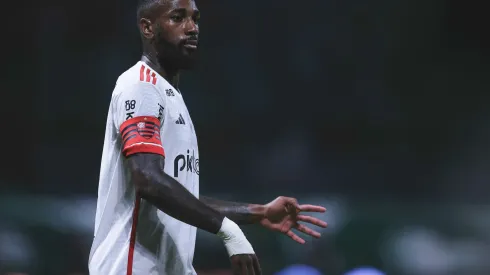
240 213
168 195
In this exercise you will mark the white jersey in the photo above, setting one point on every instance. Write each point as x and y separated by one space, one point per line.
160 244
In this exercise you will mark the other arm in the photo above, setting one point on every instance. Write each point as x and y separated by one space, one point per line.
281 215
240 213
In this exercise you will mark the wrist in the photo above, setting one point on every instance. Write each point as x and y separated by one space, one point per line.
234 239
258 211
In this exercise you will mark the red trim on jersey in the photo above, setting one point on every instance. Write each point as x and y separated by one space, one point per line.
154 78
132 238
147 74
142 73
141 135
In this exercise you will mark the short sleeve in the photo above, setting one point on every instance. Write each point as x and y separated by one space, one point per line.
138 112
140 99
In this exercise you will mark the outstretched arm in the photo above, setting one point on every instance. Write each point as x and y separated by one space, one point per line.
240 213
282 215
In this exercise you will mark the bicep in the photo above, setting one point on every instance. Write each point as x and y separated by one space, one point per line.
145 163
145 169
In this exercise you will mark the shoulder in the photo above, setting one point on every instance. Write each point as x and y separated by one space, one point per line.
139 73
138 78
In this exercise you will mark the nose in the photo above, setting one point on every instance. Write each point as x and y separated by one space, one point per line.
192 28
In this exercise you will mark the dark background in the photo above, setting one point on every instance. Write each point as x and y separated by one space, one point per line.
376 109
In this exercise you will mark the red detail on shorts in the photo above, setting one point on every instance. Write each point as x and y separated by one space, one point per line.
141 135
132 238
142 73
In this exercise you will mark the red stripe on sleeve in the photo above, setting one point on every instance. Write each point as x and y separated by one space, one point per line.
147 74
154 77
142 73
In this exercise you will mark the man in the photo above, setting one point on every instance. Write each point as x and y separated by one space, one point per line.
148 200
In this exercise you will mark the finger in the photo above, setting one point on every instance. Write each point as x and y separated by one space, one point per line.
312 208
312 220
235 267
250 267
243 264
295 237
305 229
258 270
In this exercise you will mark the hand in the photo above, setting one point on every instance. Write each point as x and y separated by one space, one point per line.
283 214
245 264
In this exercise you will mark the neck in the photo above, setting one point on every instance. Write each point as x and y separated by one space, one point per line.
170 74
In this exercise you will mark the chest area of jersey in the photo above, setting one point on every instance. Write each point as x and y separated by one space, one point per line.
179 138
177 128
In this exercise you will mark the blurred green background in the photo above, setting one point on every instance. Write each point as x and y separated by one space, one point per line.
375 109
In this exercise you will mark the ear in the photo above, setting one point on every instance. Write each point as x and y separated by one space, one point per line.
146 28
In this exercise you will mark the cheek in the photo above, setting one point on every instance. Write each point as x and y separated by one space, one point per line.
169 38
171 33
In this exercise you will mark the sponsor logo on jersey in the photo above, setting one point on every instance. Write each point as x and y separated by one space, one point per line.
188 161
129 105
160 113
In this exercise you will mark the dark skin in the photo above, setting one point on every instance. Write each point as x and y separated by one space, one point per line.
280 215
170 32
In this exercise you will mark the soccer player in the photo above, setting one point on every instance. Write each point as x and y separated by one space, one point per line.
148 204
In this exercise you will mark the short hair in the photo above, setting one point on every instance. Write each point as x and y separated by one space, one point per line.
144 6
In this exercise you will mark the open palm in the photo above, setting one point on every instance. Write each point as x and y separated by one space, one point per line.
284 214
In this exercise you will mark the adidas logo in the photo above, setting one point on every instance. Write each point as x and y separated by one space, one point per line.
180 120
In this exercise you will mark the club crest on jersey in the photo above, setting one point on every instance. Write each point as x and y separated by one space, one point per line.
146 129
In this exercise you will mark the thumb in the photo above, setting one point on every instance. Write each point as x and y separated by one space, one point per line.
293 202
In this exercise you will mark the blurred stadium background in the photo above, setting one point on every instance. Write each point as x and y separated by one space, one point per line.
376 109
